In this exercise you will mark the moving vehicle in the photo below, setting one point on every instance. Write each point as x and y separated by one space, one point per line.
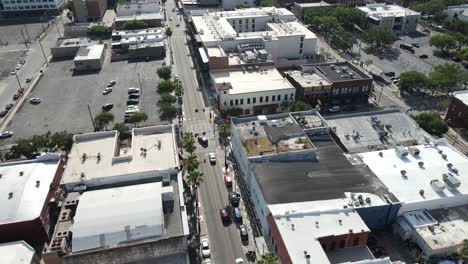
3 113
18 67
390 74
133 101
243 233
22 62
212 158
16 96
224 214
107 90
416 45
203 141
107 107
334 109
133 90
6 134
111 83
29 79
35 100
237 214
423 56
205 245
407 47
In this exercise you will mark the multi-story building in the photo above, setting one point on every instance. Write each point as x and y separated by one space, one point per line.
331 83
29 195
232 4
255 90
299 9
89 10
457 114
457 12
146 11
392 17
134 44
30 7
274 30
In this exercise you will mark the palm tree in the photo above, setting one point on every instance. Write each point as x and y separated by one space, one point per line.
191 162
225 132
188 142
102 120
179 92
194 179
268 258
463 250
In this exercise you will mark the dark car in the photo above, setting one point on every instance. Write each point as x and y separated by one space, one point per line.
3 113
423 56
16 96
133 96
224 214
234 199
243 233
390 74
203 141
8 106
133 101
456 59
107 107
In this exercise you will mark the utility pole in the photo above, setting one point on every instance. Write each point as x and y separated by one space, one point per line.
91 116
56 26
25 43
43 53
27 33
19 83
381 91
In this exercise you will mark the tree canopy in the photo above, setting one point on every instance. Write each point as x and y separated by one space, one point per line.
137 118
448 76
98 31
48 142
133 24
379 37
102 120
443 42
165 86
411 80
164 73
432 123
168 31
300 106
267 3
123 129
463 54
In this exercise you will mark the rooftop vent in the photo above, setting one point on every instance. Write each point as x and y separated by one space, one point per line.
340 221
421 192
444 156
21 173
403 173
421 164
380 153
38 183
437 186
10 195
414 151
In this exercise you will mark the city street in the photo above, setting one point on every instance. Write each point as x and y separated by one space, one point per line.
224 241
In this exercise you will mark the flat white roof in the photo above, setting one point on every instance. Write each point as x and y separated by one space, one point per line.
388 166
248 81
291 28
111 216
462 96
24 187
297 223
160 155
18 252
321 3
383 10
91 52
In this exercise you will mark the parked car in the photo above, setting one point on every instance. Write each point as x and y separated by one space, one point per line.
390 74
22 62
8 107
224 214
107 107
134 96
456 59
16 96
133 107
133 90
6 134
423 56
29 79
111 83
129 112
203 141
237 214
12 72
228 180
107 90
334 109
20 90
212 157
18 67
3 113
416 45
243 233
205 245
133 101
239 261
234 199
35 100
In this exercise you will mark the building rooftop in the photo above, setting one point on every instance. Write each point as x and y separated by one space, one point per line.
302 224
328 177
137 33
406 175
24 186
383 10
303 5
336 72
91 52
240 81
462 96
355 255
18 252
362 132
97 158
112 216
136 8
74 42
308 79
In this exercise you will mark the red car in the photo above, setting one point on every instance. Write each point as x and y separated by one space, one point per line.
16 96
228 180
224 214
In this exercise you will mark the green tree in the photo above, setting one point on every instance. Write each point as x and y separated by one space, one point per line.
461 39
300 106
98 31
448 76
347 16
165 86
178 88
379 37
167 110
268 258
443 42
463 250
429 8
432 123
463 54
164 73
194 179
224 134
191 162
63 141
267 3
188 142
242 6
123 129
411 80
168 31
343 40
102 120
133 24
167 98
137 118
457 26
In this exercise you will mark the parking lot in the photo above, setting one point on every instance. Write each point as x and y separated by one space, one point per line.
66 96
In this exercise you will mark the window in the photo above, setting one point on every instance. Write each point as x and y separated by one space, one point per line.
248 100
292 96
253 20
266 98
27 7
247 21
356 241
242 101
272 98
21 7
279 97
285 97
302 39
230 103
301 45
237 101
261 99
254 100
225 103
300 51
240 21
224 92
342 243
247 111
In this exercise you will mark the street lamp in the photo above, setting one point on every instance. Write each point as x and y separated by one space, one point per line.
19 83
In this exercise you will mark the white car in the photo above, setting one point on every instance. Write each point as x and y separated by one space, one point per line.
133 90
29 79
18 67
7 134
35 100
205 248
239 261
133 107
107 90
212 157
111 83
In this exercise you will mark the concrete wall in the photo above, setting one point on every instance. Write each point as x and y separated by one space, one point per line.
379 217
277 242
64 52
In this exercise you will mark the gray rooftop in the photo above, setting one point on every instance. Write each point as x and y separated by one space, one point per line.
341 71
351 254
362 132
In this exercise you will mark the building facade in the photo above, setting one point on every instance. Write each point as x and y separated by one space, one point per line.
393 17
30 7
89 58
89 10
233 4
457 113
457 12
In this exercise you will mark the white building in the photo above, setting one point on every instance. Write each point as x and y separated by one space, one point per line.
254 90
89 57
457 12
18 252
232 4
393 17
30 6
273 29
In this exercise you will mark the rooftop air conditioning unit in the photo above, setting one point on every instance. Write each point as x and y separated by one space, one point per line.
59 245
65 215
437 186
414 151
401 151
450 181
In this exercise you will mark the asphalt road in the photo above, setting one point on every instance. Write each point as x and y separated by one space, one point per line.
225 242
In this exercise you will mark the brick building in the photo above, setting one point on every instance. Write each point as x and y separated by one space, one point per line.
89 10
28 190
457 114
